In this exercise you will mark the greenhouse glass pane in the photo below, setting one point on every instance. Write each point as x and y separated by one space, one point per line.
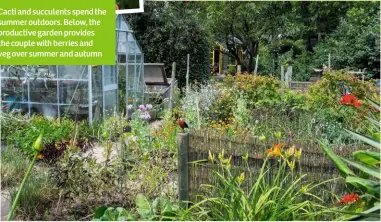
97 91
109 75
110 102
74 99
73 72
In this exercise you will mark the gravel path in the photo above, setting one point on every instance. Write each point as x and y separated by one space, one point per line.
5 204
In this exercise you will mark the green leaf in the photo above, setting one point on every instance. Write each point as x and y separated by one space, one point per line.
374 104
375 122
365 139
343 168
371 187
372 172
142 205
367 157
99 212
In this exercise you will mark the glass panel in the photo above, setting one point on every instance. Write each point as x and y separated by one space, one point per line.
97 92
73 72
14 95
74 99
110 102
109 75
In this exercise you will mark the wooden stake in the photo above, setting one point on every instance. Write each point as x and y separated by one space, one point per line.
282 81
256 64
187 76
172 85
182 150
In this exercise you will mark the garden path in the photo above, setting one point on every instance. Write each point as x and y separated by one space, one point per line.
5 203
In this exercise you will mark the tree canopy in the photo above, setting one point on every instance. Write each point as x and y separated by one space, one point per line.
300 33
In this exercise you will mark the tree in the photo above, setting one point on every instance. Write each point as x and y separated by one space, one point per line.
356 41
246 24
167 32
128 4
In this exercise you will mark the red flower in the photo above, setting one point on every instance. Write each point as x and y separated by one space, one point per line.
350 198
351 100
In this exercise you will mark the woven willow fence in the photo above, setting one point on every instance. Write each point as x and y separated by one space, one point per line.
194 149
301 86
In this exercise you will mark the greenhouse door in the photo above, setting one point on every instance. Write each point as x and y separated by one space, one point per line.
110 91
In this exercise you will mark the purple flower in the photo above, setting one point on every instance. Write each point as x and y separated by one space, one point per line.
145 116
149 106
184 108
142 107
129 107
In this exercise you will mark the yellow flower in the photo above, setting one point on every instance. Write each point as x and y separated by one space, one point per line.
262 138
241 178
227 161
304 189
278 134
221 155
298 154
291 164
211 156
290 151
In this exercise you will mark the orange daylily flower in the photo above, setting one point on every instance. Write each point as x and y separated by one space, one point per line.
40 156
275 151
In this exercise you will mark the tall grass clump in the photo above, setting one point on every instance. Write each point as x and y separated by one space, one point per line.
13 165
278 193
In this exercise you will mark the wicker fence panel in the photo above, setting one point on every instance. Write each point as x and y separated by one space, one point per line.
314 163
301 86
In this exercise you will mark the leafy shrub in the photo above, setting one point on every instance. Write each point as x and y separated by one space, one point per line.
259 90
368 163
324 98
164 31
160 209
198 103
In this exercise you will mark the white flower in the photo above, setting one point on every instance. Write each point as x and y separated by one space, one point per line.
256 121
129 107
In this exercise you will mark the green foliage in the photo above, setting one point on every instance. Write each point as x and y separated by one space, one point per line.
355 42
324 98
13 166
21 132
198 103
37 195
160 209
367 163
128 4
112 214
167 33
281 196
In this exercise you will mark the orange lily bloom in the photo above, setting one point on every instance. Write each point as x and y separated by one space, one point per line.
275 151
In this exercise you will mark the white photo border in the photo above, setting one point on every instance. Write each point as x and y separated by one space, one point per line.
135 10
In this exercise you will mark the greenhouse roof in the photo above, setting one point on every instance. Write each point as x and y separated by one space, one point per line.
124 41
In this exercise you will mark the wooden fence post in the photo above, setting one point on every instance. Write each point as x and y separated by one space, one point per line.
187 75
182 150
282 81
329 61
256 64
172 85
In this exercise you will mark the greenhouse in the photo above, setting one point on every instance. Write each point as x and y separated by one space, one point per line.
80 92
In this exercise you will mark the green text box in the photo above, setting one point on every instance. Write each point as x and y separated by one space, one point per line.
69 32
